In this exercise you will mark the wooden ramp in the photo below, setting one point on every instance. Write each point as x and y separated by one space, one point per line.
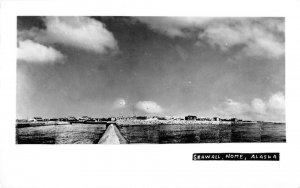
112 135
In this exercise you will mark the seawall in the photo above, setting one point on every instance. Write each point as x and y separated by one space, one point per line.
112 135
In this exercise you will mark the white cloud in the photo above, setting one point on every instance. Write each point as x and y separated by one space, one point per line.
231 108
258 106
271 110
148 106
119 103
32 52
257 36
277 101
79 32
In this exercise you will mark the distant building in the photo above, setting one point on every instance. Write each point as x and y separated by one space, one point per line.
248 121
84 118
120 118
38 119
141 117
97 119
203 119
234 119
62 119
176 118
216 119
161 118
190 118
224 119
72 119
104 119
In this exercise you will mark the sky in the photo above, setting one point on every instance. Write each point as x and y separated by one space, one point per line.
154 66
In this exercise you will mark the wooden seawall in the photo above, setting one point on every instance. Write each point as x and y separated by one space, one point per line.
112 135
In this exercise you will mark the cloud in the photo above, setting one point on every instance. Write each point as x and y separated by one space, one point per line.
32 52
175 26
272 109
277 101
119 103
255 36
231 108
79 32
148 106
258 106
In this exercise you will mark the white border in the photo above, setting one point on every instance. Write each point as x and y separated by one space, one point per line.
145 165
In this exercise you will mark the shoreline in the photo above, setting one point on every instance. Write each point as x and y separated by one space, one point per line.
175 122
125 123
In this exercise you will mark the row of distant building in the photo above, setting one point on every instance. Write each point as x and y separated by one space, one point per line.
66 119
91 119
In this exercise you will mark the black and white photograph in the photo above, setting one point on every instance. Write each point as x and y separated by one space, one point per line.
149 94
150 80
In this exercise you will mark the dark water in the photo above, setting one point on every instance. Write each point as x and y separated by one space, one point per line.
90 134
61 134
264 132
